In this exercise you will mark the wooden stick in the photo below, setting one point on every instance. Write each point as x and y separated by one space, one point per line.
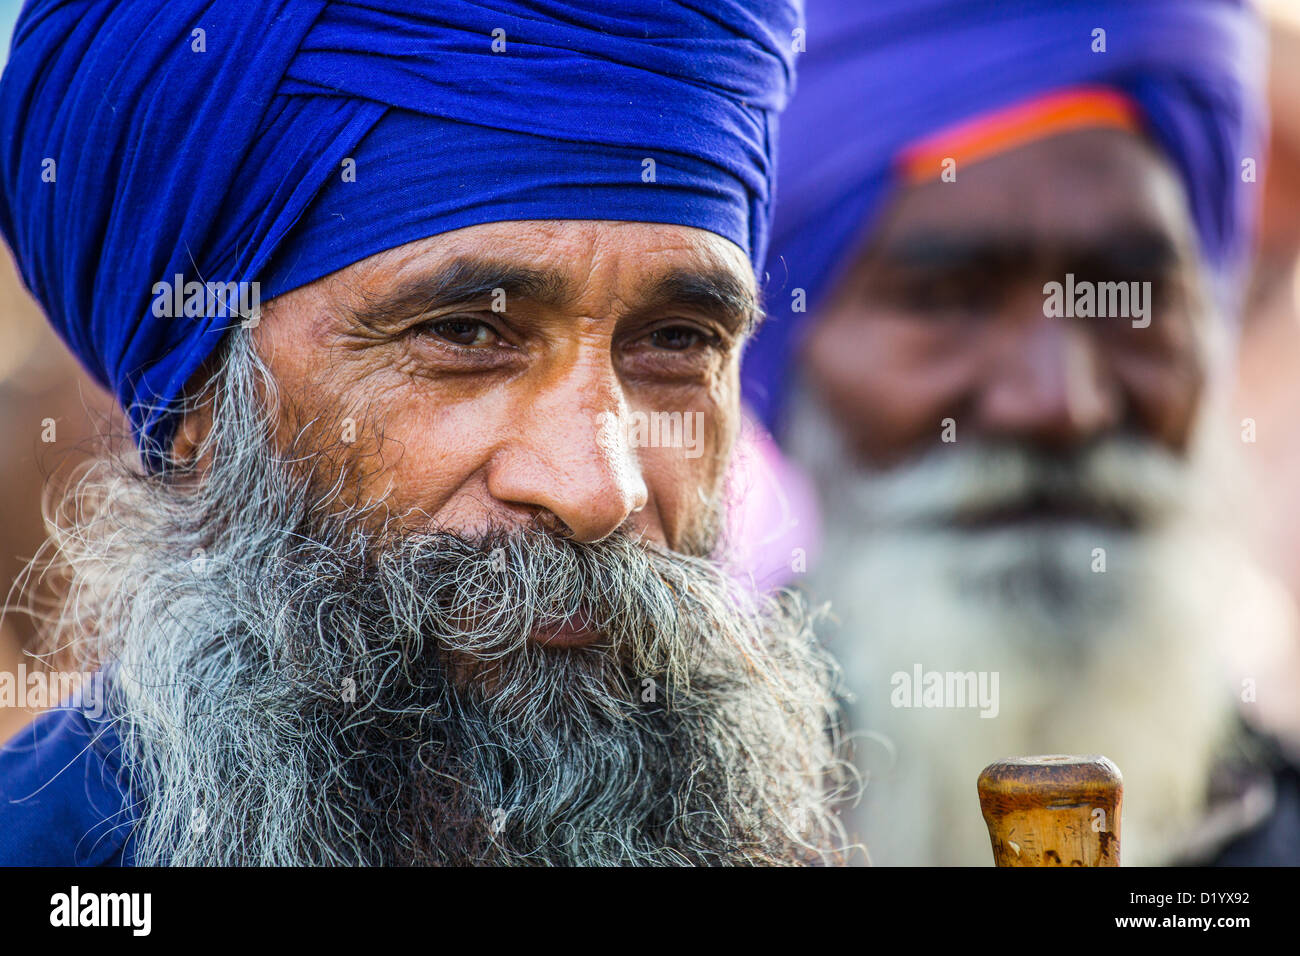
1053 811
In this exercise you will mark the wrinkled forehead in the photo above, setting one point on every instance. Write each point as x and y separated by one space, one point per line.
1076 192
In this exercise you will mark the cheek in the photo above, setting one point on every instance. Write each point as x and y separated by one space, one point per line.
403 443
890 380
394 437
685 470
1165 394
436 453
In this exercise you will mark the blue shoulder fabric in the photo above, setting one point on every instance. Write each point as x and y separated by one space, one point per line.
63 801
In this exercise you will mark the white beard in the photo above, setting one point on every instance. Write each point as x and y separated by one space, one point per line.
1122 663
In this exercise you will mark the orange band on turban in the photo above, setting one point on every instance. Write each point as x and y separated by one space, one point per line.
1005 129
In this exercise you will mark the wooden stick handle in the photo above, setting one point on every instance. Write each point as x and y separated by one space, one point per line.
1053 811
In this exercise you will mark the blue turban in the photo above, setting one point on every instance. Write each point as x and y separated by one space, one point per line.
279 141
880 76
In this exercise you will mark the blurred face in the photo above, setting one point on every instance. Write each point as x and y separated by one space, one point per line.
943 316
575 376
1056 537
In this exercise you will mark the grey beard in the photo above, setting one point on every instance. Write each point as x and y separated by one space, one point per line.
1122 659
293 685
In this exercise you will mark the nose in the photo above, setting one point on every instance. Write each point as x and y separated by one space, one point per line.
569 458
1049 385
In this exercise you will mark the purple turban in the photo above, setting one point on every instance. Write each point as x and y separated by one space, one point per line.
878 77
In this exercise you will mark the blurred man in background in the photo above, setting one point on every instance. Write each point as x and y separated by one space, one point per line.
1005 271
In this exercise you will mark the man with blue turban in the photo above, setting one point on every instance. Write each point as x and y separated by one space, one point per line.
1003 274
427 320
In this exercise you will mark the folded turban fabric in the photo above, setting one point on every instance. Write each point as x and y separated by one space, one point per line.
227 141
880 79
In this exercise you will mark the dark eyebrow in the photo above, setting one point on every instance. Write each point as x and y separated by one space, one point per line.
459 282
714 292
1137 252
1134 249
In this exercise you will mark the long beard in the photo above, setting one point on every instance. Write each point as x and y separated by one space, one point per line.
1104 638
294 684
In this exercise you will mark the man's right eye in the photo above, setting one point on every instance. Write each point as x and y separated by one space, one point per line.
462 332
